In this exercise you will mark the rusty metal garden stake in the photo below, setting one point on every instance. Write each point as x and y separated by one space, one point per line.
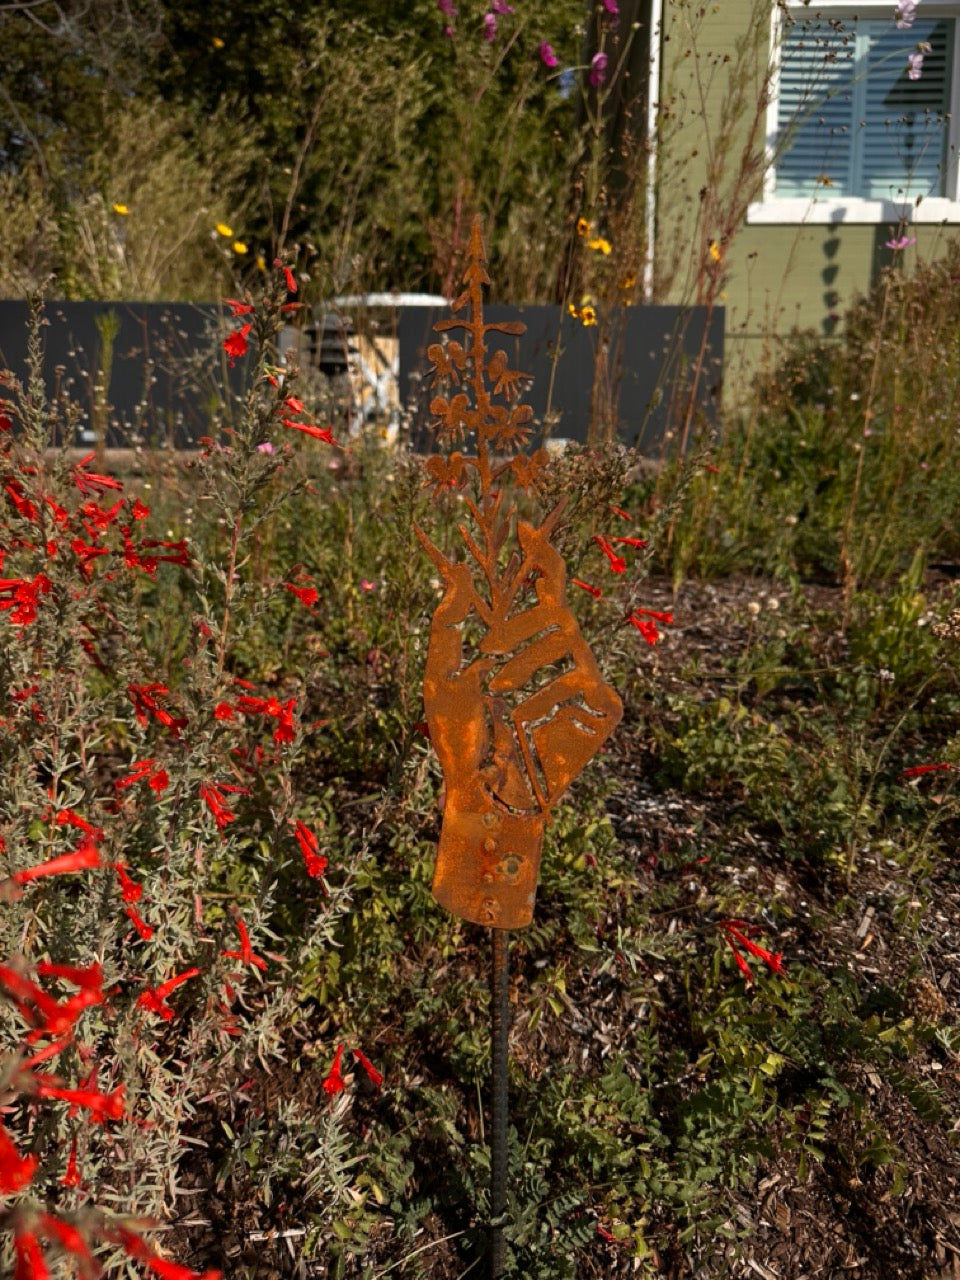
499 1108
515 703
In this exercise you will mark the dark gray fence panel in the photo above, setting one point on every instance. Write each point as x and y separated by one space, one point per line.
647 368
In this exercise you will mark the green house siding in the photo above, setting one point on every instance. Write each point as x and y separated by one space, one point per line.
773 280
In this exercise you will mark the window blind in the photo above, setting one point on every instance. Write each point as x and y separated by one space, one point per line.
850 118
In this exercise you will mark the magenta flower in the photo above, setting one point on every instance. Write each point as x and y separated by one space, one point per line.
489 26
446 8
901 242
598 69
611 8
266 447
501 7
547 56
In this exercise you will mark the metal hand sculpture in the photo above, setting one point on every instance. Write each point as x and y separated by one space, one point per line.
515 702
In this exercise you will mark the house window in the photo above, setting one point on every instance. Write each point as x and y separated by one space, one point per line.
854 133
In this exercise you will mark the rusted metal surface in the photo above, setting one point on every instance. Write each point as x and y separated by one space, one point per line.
515 703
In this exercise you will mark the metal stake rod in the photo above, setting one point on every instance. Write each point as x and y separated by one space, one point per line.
500 1030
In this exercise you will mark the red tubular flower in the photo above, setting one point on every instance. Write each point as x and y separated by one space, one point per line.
319 433
154 998
22 503
71 1177
631 542
617 563
373 1075
223 711
316 863
159 781
306 595
16 1171
285 731
31 1264
60 516
645 620
238 308
290 280
69 818
108 1106
236 345
917 770
130 891
144 699
293 404
46 1053
145 930
138 1249
334 1081
252 706
139 511
88 979
85 858
213 798
246 954
70 1240
619 511
20 597
90 481
138 771
736 938
585 586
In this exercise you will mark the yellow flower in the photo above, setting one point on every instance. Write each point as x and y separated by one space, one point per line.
824 181
583 227
573 311
239 246
629 280
714 251
217 42
261 262
603 246
588 316
121 209
224 230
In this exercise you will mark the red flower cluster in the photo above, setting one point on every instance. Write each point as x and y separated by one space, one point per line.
735 932
314 860
645 620
246 954
154 999
144 699
334 1082
20 597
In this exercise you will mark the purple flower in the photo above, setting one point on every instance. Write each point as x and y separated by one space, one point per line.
905 14
547 56
501 7
446 8
611 8
901 242
448 32
598 69
489 26
266 447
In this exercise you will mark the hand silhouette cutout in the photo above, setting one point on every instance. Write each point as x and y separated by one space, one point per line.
512 728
